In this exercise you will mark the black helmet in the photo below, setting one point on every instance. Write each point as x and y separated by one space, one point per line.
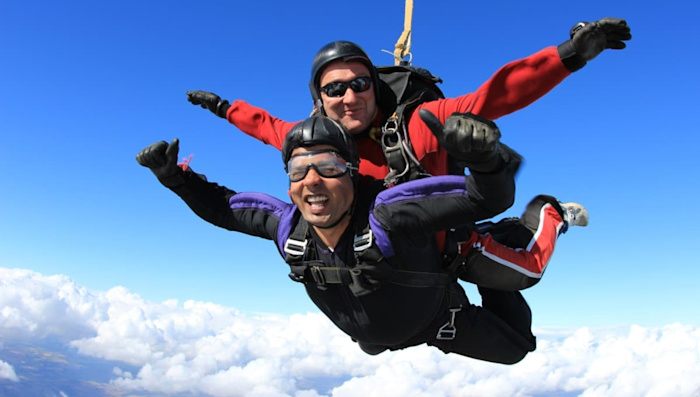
321 130
338 50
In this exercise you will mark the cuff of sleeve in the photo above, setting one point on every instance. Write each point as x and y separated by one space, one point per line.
486 164
173 181
222 108
505 158
569 57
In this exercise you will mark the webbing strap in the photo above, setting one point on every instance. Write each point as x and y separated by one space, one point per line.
398 152
323 275
305 270
403 45
394 149
297 243
320 275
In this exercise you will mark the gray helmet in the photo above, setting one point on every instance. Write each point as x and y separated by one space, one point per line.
321 130
338 50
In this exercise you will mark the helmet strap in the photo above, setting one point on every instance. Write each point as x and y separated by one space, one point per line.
319 105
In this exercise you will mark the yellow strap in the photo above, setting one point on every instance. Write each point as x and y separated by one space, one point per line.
403 45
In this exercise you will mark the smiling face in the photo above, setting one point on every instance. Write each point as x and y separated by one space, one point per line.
354 110
322 201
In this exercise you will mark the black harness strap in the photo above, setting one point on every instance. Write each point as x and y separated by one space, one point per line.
306 268
409 86
296 248
369 261
398 151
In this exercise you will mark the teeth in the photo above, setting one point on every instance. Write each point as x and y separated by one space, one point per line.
316 199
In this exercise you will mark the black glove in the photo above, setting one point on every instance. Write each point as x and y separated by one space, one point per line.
590 39
468 138
161 158
209 100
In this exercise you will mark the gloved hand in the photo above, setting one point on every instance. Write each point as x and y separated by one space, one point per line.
594 37
590 39
161 158
468 138
209 100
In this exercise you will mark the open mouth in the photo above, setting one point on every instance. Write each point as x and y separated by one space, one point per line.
317 202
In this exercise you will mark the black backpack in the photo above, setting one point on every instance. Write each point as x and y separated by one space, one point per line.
402 89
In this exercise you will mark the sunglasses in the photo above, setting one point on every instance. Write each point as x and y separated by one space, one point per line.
338 88
325 162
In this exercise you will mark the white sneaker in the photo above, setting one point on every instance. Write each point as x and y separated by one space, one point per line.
574 214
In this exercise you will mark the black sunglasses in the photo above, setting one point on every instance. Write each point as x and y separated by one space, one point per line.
338 88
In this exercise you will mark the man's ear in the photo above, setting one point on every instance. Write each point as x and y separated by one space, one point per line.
289 193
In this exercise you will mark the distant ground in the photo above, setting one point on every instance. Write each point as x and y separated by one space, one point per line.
50 369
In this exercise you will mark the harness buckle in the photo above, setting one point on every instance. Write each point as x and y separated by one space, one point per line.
295 247
448 331
363 242
318 277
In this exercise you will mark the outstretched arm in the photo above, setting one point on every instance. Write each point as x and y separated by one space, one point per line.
254 121
522 82
255 214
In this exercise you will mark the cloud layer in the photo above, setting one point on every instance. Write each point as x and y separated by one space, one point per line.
208 349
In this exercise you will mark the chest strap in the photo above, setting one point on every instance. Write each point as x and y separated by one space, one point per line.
369 272
369 264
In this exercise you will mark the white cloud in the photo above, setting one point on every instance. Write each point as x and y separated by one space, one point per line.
37 305
7 372
207 348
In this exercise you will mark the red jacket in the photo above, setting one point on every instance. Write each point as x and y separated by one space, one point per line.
511 88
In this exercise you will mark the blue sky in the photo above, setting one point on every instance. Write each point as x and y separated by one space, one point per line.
96 253
86 85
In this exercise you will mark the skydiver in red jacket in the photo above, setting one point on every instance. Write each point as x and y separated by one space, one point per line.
344 86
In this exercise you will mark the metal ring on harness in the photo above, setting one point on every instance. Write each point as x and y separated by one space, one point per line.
392 142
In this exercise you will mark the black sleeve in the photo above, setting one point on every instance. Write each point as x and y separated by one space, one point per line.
440 203
255 214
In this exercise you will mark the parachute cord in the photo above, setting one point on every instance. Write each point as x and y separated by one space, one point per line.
403 45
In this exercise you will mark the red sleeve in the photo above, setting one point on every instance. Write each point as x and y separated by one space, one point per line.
513 87
372 160
258 123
